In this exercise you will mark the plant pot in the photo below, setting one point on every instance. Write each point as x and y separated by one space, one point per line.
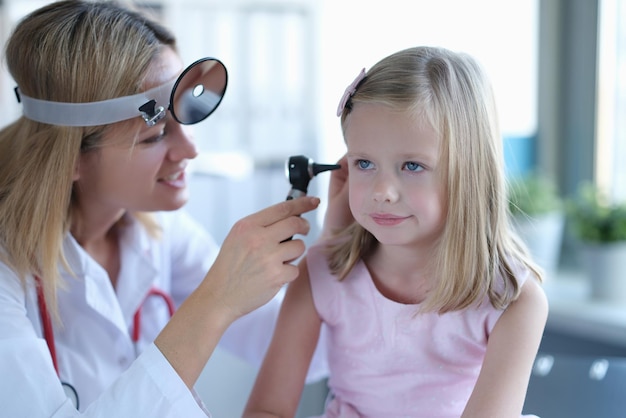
543 235
605 266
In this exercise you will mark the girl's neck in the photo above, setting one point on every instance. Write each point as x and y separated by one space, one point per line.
400 274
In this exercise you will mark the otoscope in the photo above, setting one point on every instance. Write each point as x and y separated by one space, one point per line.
299 171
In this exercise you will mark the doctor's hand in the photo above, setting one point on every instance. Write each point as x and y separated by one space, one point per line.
338 215
254 260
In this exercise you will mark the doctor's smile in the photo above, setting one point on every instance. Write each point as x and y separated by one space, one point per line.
176 180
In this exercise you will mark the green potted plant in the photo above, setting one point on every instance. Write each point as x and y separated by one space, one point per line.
599 225
538 217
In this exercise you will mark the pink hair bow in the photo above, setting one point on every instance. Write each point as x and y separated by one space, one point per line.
350 90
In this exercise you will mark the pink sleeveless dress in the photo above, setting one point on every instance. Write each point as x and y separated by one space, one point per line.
388 361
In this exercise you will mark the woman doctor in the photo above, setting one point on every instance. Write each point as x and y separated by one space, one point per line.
93 252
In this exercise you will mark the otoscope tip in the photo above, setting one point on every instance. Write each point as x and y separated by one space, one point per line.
318 168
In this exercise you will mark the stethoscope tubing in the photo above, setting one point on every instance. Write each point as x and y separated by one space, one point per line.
46 324
48 332
137 318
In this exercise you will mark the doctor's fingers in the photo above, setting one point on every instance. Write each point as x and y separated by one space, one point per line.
339 178
253 250
338 215
251 233
266 251
282 210
247 276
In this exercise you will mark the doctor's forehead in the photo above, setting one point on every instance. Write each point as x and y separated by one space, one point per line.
166 67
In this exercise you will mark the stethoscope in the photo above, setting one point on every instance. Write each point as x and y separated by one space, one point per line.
48 333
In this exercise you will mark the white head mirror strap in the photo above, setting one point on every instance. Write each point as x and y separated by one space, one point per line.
151 105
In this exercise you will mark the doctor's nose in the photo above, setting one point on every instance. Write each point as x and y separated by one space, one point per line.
385 190
183 146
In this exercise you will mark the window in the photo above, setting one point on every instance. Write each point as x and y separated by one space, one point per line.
502 36
611 111
268 48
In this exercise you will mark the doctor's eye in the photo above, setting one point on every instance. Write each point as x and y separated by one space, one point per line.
154 138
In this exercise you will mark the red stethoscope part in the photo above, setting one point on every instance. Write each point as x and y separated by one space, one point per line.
46 321
137 318
46 324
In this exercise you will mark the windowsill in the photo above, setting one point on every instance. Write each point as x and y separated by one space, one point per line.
572 311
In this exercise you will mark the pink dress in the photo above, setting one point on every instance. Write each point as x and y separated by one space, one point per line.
386 361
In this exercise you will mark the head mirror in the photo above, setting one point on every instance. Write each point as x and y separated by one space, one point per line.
196 94
198 91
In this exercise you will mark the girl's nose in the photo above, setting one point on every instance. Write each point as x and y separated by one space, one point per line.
385 189
183 146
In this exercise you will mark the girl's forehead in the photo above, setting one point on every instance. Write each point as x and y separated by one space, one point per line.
373 119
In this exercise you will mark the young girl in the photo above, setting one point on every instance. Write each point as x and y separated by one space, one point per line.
432 305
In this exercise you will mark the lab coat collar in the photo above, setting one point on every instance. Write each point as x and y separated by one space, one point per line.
87 279
138 273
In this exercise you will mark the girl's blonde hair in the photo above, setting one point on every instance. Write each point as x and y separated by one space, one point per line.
69 51
451 92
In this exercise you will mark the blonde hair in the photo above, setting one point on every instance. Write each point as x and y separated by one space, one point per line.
478 245
69 51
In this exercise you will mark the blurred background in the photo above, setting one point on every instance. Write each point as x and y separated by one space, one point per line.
557 66
289 62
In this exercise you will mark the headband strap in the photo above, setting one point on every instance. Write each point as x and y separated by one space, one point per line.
95 113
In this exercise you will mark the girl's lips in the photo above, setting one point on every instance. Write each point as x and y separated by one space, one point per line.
387 220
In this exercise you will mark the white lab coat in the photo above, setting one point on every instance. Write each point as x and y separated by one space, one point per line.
112 375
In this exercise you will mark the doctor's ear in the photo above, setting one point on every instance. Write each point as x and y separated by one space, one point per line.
76 172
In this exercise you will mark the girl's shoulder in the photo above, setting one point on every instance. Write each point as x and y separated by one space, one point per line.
318 256
324 283
515 270
513 274
317 260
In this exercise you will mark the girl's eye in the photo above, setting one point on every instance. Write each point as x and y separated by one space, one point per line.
413 166
363 164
